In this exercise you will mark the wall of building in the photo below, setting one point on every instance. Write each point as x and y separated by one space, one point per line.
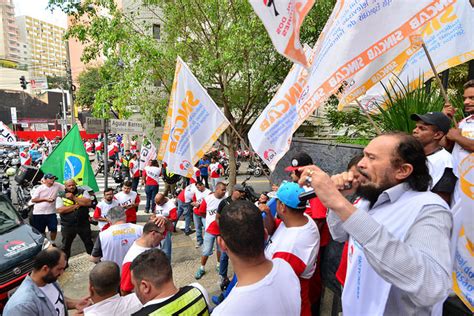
46 47
332 158
9 45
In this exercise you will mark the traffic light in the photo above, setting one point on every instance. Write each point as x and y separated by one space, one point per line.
23 82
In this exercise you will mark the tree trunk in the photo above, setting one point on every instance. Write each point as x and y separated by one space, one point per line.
233 141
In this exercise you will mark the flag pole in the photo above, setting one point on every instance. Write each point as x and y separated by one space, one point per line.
250 150
377 129
443 90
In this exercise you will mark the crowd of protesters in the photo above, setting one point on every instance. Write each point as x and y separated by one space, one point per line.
391 211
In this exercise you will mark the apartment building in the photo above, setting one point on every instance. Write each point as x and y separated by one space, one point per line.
9 36
46 47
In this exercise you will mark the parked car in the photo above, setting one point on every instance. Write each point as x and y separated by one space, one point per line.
19 244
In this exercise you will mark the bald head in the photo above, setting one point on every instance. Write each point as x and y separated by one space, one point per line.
160 199
70 185
105 278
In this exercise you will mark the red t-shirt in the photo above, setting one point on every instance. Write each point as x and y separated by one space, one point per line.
317 211
151 175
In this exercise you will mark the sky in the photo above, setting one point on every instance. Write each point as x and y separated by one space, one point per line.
37 9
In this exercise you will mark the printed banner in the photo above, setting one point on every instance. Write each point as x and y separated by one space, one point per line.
147 153
357 34
7 137
193 124
271 133
463 270
449 39
282 20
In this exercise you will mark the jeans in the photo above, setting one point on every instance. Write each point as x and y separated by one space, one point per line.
205 180
199 224
151 191
166 245
208 245
69 233
184 209
135 182
223 264
214 182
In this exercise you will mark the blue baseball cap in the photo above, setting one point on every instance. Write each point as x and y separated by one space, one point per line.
288 194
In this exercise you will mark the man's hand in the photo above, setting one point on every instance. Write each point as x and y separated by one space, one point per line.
345 182
328 190
453 134
449 110
83 303
160 221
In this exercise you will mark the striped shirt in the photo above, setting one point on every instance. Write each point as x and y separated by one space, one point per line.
418 267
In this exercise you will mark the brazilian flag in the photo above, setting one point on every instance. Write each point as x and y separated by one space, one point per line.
69 160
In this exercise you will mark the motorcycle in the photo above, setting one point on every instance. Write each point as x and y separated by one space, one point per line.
225 164
255 168
5 185
100 166
250 194
23 196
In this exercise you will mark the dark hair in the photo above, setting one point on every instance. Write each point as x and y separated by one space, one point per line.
199 183
149 227
469 84
220 184
154 163
105 278
134 156
127 183
355 160
410 150
241 227
108 190
48 257
153 266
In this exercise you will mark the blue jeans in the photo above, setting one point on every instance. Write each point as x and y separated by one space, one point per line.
208 244
184 208
151 191
199 223
223 264
166 245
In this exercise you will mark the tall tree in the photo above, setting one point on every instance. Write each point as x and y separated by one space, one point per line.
224 43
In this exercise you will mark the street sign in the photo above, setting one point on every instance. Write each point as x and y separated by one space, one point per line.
39 83
13 112
94 125
126 127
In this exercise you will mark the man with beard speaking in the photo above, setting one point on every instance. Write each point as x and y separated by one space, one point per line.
399 232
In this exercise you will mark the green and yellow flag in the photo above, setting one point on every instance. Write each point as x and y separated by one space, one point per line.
69 160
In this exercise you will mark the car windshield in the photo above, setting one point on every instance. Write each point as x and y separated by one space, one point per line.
8 216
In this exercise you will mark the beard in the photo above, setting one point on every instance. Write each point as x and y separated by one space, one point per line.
370 191
49 278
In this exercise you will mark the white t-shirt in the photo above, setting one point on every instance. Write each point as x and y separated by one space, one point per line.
117 240
437 164
299 246
102 209
459 153
55 297
116 305
45 192
278 293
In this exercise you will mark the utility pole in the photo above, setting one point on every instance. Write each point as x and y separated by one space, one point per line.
72 88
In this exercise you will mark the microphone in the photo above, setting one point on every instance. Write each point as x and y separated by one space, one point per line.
305 196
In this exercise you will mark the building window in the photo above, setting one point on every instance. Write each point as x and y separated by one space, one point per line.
156 31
